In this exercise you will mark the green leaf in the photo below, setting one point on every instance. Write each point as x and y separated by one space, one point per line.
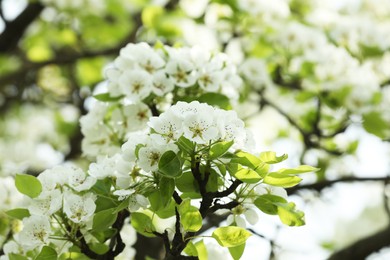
219 149
104 219
298 170
167 187
187 183
374 123
212 183
28 185
47 253
251 161
143 224
267 203
167 211
281 180
18 213
247 175
105 97
202 250
237 251
13 256
216 99
102 236
231 236
170 165
271 158
186 145
191 219
190 249
73 256
99 248
289 215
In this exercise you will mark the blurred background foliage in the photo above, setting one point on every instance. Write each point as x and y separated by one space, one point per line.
316 83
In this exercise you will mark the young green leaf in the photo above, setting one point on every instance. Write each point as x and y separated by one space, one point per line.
142 223
202 251
219 149
191 218
231 236
281 180
216 99
298 170
18 213
190 249
186 145
237 251
105 97
170 165
99 248
104 219
267 203
289 215
187 183
28 185
13 256
167 187
247 175
47 253
271 158
374 123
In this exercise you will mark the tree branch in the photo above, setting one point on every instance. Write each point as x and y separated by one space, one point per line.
364 247
319 186
15 29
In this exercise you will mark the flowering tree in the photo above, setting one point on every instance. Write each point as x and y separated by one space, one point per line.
135 115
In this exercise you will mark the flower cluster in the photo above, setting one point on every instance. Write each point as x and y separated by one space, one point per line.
142 79
141 70
197 122
65 196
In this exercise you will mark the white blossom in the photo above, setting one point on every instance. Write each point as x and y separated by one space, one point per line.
78 208
36 231
47 203
79 180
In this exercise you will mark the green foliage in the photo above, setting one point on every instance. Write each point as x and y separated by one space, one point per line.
19 213
281 180
237 251
275 205
231 236
191 219
28 185
104 219
298 170
143 224
99 248
219 149
105 97
170 164
47 253
289 215
216 99
374 123
271 158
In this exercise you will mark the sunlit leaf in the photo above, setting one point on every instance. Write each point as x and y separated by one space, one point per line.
28 185
231 236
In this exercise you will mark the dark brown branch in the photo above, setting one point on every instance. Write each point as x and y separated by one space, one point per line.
228 191
177 198
15 29
230 205
319 186
364 247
